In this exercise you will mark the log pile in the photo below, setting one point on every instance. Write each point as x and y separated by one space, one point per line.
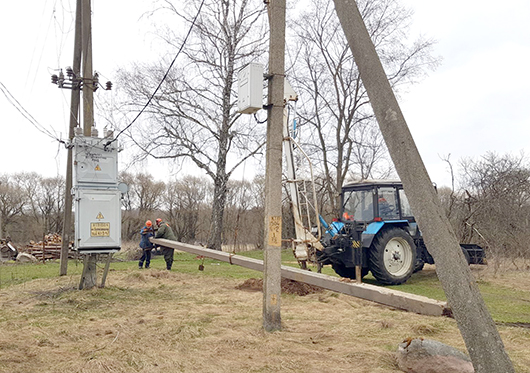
48 249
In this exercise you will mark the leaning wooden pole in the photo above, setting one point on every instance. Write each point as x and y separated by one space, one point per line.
482 339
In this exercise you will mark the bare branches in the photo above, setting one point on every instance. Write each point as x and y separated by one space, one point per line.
494 199
194 114
334 103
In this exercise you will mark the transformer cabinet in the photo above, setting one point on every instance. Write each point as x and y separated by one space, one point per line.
97 195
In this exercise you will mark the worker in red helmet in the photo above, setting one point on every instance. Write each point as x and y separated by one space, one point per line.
165 231
145 244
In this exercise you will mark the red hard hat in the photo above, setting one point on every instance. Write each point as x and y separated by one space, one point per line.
148 223
158 220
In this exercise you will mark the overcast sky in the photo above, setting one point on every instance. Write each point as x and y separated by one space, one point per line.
475 102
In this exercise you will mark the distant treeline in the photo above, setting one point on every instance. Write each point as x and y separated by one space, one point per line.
490 206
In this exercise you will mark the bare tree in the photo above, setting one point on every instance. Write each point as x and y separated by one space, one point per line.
12 203
148 192
30 183
249 202
194 116
496 200
128 200
244 205
343 135
130 220
51 203
184 200
144 197
33 201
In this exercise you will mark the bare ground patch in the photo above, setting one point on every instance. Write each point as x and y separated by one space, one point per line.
287 286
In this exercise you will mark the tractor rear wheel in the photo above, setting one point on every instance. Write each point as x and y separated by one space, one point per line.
392 256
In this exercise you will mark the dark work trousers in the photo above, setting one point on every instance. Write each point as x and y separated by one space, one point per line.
146 256
168 256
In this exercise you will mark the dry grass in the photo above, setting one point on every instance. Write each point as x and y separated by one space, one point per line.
159 321
505 273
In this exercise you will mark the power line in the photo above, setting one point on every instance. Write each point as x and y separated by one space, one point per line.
163 78
17 105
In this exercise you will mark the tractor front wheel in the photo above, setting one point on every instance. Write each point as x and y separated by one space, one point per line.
392 256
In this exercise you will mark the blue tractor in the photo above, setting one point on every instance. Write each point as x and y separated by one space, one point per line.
378 233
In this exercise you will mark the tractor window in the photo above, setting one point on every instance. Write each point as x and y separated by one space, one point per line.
358 205
387 204
405 206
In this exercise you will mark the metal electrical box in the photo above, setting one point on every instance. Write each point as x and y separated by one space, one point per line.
250 88
97 219
95 164
96 195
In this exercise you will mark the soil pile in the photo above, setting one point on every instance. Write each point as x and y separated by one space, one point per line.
287 286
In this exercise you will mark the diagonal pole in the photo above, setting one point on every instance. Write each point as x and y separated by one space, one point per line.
476 325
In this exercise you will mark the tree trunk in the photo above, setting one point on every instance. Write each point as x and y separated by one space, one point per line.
218 208
482 339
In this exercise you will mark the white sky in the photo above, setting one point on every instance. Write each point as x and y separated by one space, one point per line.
475 102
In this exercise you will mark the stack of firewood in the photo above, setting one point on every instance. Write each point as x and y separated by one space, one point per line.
49 248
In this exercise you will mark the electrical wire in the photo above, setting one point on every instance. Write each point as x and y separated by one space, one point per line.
37 54
36 57
13 101
64 22
259 121
163 78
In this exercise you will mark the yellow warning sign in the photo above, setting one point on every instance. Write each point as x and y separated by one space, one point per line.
99 229
275 231
100 216
98 168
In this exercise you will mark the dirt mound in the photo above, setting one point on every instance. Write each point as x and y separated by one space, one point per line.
288 286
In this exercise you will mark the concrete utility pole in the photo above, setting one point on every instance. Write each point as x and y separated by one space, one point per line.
273 178
482 339
89 272
74 116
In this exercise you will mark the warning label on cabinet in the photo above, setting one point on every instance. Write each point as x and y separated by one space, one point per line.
99 229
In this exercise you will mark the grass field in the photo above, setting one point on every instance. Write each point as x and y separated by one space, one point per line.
188 320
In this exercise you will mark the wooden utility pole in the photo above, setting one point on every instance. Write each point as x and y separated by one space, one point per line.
273 177
1 221
89 272
74 119
88 93
482 339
